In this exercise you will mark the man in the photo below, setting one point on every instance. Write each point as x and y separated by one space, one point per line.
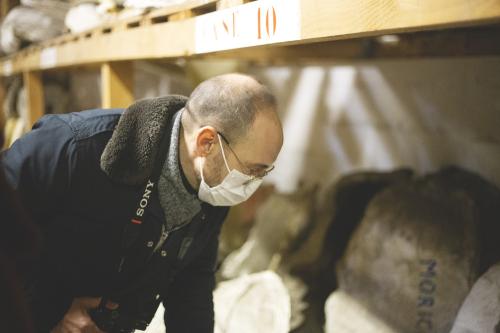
131 203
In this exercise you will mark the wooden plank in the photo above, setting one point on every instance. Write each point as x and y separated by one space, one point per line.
340 19
443 43
35 99
199 7
223 4
181 15
174 12
331 51
319 21
117 84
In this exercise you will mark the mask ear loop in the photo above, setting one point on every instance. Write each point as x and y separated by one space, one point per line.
201 170
223 154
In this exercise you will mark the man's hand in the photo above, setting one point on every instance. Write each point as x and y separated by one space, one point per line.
77 319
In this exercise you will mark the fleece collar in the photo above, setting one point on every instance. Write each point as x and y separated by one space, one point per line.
130 154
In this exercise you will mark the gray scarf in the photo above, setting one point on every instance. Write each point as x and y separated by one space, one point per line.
179 205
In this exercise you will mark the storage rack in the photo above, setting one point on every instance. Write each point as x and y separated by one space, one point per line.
264 30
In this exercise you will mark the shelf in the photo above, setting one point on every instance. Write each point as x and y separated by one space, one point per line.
262 30
202 27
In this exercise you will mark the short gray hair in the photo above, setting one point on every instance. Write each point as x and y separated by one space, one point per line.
229 103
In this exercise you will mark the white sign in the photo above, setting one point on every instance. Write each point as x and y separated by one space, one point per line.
256 23
7 67
48 58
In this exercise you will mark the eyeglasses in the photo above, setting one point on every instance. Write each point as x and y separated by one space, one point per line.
255 174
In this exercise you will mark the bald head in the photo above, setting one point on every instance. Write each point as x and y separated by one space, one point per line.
230 103
244 112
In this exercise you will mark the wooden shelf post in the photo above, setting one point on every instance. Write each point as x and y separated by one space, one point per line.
34 94
2 111
117 84
6 6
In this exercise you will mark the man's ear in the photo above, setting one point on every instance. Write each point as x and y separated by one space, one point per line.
205 140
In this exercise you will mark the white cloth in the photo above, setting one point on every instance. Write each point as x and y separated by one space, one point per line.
480 312
29 25
83 17
252 303
345 314
249 304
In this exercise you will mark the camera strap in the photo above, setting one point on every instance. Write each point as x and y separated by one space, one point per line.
133 227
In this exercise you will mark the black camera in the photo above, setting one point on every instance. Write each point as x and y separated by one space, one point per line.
119 320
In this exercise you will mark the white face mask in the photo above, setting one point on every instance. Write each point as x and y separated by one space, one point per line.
234 189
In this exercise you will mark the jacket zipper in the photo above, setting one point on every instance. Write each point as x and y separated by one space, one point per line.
163 238
166 233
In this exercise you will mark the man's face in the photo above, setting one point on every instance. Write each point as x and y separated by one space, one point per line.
252 156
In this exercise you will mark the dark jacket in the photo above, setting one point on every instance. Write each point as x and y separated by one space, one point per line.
19 241
81 176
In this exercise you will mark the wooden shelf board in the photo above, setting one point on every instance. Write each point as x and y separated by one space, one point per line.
204 31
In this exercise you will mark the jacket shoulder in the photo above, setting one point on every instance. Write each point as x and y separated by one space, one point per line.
85 124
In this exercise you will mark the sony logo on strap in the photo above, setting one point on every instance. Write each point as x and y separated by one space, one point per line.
144 202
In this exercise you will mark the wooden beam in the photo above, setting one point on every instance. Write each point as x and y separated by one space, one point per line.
341 19
35 98
6 6
474 41
223 4
166 34
117 84
181 15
